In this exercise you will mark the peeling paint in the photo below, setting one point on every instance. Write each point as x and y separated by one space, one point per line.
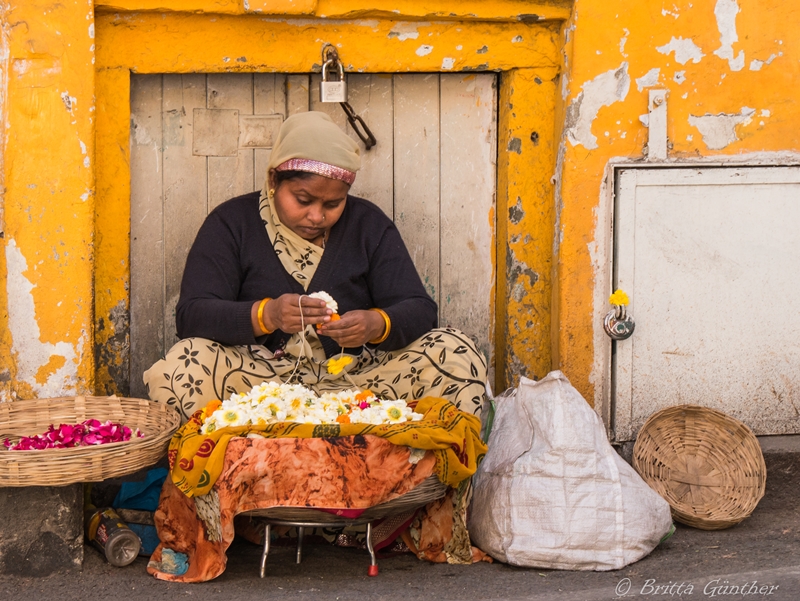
516 212
60 378
685 50
406 31
69 101
649 79
756 65
424 50
515 145
719 131
447 63
515 271
725 11
114 352
679 77
604 90
623 40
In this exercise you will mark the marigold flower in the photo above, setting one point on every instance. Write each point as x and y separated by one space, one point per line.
619 298
211 407
364 395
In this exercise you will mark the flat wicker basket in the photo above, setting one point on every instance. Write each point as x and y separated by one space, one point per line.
59 467
707 465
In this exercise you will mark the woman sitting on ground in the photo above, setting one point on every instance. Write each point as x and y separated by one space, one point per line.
244 314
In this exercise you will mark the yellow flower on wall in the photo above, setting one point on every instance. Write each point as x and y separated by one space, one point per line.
619 298
337 365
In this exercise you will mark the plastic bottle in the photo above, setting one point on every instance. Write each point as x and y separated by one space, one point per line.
106 531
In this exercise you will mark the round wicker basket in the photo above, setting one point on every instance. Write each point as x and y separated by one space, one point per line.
707 465
59 467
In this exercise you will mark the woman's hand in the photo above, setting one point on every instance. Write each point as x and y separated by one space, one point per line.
354 328
289 312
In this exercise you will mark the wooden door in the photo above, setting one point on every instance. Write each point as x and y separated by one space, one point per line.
199 139
708 257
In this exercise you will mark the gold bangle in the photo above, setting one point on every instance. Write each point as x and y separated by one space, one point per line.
261 316
387 322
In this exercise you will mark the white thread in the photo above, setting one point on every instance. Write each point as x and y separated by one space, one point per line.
303 346
302 338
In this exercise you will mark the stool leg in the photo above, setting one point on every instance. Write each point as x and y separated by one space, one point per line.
300 532
266 550
373 562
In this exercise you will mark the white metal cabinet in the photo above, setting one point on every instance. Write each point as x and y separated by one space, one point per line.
709 257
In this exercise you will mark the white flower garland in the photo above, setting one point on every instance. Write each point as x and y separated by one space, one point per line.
270 403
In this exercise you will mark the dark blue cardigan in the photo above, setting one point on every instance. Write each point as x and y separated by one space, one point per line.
232 264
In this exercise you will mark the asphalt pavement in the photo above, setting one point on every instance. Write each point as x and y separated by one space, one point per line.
756 559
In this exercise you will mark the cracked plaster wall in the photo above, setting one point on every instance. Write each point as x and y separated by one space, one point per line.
46 229
729 67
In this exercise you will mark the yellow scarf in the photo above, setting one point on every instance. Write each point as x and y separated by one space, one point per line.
454 437
298 256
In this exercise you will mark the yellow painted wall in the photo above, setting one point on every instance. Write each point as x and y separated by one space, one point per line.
517 38
47 125
728 65
730 68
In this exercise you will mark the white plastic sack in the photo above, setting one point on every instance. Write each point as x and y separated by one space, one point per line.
552 492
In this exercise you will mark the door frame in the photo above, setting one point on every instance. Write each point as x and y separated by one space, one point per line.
524 53
602 374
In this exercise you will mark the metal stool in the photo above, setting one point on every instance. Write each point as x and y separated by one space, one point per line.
301 526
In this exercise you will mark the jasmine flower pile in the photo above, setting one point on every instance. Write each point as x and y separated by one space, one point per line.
270 403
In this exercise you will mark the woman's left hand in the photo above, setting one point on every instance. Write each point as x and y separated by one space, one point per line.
354 328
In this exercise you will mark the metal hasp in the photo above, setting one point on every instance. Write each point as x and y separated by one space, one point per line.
618 324
336 91
657 143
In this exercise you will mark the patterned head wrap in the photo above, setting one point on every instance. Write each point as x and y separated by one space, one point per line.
312 142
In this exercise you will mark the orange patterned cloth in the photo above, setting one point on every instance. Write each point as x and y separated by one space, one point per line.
354 472
197 459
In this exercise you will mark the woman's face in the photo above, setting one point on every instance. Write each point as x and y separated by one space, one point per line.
309 206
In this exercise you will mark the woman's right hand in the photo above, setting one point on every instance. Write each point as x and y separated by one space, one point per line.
289 312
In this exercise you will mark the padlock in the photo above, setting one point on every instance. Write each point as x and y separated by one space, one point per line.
618 324
332 91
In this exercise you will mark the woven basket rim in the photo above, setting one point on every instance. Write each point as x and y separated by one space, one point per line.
739 487
91 463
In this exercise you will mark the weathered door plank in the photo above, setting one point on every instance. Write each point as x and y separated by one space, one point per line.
468 173
372 98
230 176
147 218
269 98
185 188
416 172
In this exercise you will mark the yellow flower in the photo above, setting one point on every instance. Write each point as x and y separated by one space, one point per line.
619 298
337 365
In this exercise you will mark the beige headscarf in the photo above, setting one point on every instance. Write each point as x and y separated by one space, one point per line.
306 142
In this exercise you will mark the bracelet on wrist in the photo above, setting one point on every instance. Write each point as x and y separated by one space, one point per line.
261 325
387 323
